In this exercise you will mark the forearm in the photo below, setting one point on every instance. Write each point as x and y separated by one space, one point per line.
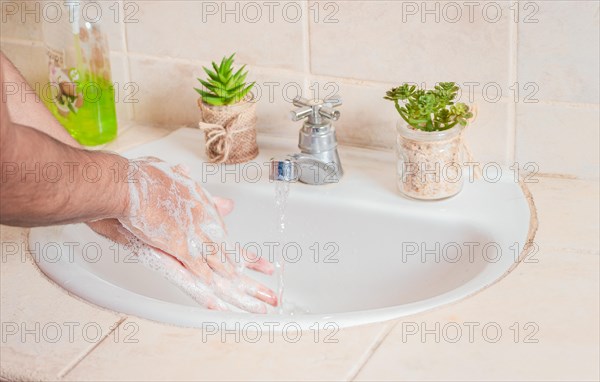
46 182
46 178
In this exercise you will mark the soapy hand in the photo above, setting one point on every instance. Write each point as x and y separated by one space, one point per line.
176 228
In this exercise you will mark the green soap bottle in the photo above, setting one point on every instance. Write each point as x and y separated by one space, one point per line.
79 93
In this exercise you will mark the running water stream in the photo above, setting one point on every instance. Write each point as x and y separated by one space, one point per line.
282 190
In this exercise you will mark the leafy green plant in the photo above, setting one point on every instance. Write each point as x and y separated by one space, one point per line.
430 110
223 86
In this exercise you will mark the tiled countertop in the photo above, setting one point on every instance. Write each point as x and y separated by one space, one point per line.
541 322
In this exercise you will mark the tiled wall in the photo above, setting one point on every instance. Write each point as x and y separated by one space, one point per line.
530 66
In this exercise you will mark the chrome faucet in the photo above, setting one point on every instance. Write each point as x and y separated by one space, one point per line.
318 161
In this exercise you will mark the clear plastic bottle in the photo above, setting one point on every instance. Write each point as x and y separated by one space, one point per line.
80 93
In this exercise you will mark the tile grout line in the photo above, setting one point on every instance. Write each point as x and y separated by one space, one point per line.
307 45
514 78
131 107
371 351
20 41
40 44
78 360
570 251
346 80
306 49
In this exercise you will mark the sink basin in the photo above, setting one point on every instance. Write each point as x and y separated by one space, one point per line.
357 252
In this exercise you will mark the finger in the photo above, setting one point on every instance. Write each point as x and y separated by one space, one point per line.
206 251
232 254
257 263
234 294
258 290
224 205
221 264
171 269
200 268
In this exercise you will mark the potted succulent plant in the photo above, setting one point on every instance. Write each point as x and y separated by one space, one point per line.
429 141
228 113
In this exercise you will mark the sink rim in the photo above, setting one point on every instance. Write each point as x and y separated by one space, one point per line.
172 313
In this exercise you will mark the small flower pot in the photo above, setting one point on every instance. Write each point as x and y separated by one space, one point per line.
429 163
230 131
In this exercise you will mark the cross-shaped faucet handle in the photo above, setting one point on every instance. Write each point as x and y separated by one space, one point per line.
316 110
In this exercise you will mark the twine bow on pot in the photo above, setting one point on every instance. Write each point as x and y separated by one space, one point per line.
230 136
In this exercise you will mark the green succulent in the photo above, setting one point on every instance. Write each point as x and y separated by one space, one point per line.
223 86
430 110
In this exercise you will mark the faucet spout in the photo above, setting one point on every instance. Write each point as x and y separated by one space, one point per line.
284 170
305 168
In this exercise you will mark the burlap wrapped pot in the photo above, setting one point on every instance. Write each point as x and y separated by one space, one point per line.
230 131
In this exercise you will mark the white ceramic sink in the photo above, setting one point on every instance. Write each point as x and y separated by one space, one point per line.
377 238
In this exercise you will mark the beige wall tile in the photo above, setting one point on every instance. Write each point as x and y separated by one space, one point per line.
36 316
560 138
21 20
124 90
196 30
488 137
560 51
111 15
560 341
165 93
167 96
365 46
569 213
276 90
369 120
383 41
24 19
173 353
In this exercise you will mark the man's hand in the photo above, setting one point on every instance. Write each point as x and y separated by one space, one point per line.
175 216
212 296
168 217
